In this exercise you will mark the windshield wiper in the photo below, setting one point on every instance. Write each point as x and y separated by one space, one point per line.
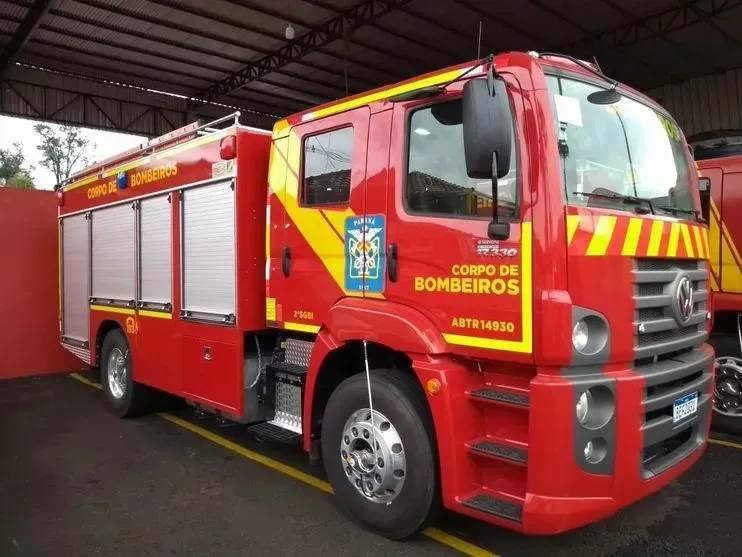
626 199
695 212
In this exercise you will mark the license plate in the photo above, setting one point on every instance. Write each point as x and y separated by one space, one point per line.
684 407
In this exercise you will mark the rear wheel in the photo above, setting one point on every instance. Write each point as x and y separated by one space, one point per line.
394 489
122 396
727 415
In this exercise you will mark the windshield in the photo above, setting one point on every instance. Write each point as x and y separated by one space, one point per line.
624 148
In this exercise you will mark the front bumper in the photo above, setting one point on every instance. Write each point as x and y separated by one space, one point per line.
646 450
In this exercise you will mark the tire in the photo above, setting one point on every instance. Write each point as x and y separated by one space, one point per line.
399 399
726 346
124 399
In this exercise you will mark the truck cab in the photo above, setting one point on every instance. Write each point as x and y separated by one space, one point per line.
718 156
523 236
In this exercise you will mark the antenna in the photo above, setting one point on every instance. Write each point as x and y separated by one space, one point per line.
479 40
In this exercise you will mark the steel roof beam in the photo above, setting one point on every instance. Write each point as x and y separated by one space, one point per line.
569 21
104 25
654 26
507 24
242 25
334 9
194 31
29 24
162 41
337 28
317 97
443 27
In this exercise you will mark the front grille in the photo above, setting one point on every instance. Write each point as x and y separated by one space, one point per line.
658 332
668 355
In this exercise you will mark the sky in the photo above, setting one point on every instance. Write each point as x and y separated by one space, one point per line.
21 130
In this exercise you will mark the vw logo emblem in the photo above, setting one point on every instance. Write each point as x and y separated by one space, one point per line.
684 299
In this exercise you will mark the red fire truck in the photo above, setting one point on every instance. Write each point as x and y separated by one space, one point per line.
470 290
718 157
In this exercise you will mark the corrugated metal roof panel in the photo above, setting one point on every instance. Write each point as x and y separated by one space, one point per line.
706 103
13 10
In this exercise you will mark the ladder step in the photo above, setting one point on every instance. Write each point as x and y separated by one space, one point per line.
491 505
496 450
270 432
287 368
495 395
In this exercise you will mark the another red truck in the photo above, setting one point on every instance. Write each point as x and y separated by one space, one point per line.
718 157
469 290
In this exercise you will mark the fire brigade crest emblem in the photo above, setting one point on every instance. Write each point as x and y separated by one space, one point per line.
364 254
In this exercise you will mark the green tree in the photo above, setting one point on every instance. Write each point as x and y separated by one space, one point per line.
21 181
62 150
13 173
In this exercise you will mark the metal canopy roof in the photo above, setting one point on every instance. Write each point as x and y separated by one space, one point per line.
97 62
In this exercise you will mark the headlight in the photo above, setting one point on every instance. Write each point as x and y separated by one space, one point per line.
583 407
580 336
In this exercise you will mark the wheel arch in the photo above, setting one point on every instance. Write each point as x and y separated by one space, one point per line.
105 327
336 361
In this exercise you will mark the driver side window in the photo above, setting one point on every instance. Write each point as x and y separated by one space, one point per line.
437 182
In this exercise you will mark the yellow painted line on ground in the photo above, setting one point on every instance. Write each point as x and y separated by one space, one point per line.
726 443
433 533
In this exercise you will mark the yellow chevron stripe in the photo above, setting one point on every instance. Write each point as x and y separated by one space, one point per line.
685 233
631 241
672 247
573 223
655 238
699 242
602 235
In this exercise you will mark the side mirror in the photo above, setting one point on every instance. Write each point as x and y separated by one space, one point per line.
487 128
488 140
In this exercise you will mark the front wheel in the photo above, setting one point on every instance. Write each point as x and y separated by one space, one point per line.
383 468
727 415
122 396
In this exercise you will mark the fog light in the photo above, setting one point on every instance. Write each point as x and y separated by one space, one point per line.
588 451
580 336
583 407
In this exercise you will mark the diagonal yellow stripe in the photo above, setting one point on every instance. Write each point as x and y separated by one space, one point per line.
672 245
573 223
655 238
631 242
685 233
699 242
602 235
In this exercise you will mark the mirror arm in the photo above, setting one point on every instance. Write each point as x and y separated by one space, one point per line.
495 229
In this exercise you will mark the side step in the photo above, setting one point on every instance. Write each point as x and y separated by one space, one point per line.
494 506
270 432
284 393
490 394
492 449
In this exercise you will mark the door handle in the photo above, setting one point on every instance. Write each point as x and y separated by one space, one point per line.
391 254
286 261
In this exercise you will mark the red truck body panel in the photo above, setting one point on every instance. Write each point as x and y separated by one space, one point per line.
470 314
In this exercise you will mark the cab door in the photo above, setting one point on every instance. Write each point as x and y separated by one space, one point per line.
475 290
730 228
324 186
